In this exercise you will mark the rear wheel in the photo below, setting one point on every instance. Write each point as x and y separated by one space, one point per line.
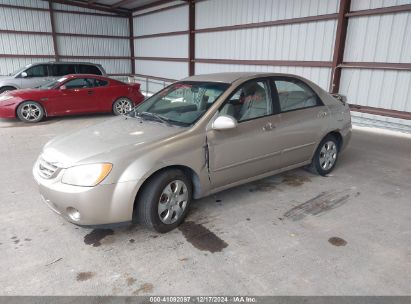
30 111
164 201
122 106
325 156
6 89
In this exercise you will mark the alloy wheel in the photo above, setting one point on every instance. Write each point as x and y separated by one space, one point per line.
328 155
123 106
172 202
31 112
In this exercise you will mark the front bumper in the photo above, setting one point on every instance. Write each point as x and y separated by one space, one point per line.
7 110
99 205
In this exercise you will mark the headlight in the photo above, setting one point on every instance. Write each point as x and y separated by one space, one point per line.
5 97
86 175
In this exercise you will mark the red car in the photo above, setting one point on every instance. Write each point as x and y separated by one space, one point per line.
71 94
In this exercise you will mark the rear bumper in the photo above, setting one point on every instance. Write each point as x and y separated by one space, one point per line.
346 136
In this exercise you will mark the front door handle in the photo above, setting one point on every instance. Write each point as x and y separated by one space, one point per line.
90 92
268 127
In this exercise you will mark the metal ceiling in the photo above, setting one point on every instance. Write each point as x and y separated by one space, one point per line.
122 7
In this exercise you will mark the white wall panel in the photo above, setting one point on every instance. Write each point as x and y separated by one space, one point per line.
175 19
306 41
215 13
370 120
26 44
112 66
370 4
385 89
9 65
168 46
382 38
320 76
85 46
85 24
165 69
11 19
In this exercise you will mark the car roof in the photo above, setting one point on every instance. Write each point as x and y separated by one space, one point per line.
230 77
85 75
65 62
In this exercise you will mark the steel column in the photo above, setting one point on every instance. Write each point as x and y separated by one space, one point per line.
131 32
53 31
339 45
191 37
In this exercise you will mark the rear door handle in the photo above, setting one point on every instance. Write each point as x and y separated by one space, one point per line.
268 127
90 92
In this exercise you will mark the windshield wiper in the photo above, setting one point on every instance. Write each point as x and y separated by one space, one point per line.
156 116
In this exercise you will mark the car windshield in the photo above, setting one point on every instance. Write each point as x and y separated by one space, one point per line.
181 103
51 84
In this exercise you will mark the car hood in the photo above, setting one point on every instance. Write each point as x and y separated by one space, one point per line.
106 141
27 93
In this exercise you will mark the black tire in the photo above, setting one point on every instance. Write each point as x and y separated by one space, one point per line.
122 106
5 89
37 112
321 163
147 210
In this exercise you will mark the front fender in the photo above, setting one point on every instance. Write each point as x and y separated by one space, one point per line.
187 152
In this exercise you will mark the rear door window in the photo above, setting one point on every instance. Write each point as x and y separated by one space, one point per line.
294 94
63 69
89 69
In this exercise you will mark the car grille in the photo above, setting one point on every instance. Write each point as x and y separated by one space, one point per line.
46 169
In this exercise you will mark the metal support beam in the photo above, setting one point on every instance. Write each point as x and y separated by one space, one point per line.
339 45
131 32
150 5
101 7
53 31
191 37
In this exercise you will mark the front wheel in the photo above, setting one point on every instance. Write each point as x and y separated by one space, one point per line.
325 156
30 111
122 106
164 201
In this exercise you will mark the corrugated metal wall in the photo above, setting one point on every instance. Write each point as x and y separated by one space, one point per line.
311 41
10 19
94 46
376 38
172 20
381 38
16 19
213 13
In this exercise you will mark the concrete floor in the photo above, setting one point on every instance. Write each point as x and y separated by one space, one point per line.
273 237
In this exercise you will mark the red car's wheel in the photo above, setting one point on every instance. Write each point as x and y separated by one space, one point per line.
122 106
30 111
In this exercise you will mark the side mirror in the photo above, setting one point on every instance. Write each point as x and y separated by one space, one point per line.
340 97
224 123
24 75
63 87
